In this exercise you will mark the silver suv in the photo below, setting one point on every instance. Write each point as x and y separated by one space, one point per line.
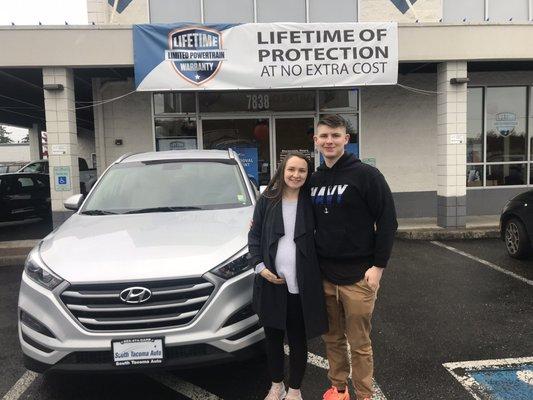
150 271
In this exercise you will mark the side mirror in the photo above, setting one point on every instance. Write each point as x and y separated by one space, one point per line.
73 202
262 188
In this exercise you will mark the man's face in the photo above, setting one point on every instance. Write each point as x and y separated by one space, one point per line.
331 141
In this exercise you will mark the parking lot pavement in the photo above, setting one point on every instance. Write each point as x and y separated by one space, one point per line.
494 251
35 228
434 307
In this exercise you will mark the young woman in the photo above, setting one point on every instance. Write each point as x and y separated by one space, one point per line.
288 294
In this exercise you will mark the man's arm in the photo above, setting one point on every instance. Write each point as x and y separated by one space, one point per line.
381 204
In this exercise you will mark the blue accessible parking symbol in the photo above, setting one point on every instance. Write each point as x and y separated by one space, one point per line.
62 180
506 379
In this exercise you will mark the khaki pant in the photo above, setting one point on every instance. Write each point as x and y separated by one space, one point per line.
349 313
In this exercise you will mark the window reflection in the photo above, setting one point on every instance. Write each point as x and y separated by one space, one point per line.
175 133
474 126
248 137
506 124
174 102
506 174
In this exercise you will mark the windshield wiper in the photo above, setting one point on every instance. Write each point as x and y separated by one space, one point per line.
98 212
162 209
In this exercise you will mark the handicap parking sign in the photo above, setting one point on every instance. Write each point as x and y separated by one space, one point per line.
505 379
62 179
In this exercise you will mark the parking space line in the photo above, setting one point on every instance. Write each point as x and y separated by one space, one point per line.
484 262
180 386
321 362
20 386
464 372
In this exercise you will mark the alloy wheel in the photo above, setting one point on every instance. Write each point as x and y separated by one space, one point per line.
512 238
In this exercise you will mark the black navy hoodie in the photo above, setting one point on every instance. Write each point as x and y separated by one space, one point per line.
355 219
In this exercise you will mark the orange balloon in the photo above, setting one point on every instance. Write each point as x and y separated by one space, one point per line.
261 132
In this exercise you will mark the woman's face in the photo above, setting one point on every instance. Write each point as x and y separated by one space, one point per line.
295 172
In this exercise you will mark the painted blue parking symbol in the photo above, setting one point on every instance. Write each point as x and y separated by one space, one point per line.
512 383
506 379
62 180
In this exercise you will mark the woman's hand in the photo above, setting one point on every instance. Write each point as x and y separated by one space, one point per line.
272 278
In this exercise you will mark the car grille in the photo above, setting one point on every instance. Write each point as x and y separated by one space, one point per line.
173 303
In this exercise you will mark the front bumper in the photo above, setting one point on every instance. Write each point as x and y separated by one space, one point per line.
205 340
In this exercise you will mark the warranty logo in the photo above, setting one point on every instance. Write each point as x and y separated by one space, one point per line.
196 53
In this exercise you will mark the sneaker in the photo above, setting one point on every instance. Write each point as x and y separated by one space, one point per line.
276 392
294 396
333 394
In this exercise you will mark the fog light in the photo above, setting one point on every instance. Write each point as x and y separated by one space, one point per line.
32 323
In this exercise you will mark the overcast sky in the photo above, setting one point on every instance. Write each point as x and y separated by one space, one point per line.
48 12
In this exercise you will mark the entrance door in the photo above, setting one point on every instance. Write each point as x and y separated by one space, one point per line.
294 133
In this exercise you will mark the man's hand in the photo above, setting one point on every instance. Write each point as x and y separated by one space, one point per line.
269 276
373 276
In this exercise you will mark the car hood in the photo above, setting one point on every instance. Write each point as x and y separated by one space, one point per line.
138 247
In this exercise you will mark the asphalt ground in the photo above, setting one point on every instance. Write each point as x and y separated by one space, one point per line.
35 228
434 307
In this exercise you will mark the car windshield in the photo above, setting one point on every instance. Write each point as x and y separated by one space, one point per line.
163 186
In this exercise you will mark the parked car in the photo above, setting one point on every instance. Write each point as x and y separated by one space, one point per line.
10 167
24 195
516 225
151 270
87 175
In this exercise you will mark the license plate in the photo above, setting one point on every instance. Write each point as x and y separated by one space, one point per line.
138 351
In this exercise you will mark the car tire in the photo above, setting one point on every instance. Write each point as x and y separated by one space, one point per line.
516 239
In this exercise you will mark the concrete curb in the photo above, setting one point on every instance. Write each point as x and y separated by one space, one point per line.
449 234
15 252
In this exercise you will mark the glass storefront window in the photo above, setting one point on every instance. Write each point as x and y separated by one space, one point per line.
295 134
175 133
506 124
240 101
474 175
173 102
337 101
248 137
506 174
474 125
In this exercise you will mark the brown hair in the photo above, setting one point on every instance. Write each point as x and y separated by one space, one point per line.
274 189
335 121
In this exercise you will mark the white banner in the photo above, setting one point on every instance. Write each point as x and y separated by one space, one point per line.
265 56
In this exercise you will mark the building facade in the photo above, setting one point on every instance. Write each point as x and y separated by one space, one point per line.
453 137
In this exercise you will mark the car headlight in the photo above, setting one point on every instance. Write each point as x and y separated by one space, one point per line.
233 267
39 273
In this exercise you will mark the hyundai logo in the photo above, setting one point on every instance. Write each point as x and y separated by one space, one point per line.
135 295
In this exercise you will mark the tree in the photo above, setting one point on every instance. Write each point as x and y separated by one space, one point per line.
4 138
25 139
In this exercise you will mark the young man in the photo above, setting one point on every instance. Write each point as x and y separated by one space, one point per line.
355 226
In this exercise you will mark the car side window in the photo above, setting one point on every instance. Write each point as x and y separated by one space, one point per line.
22 184
33 167
41 182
